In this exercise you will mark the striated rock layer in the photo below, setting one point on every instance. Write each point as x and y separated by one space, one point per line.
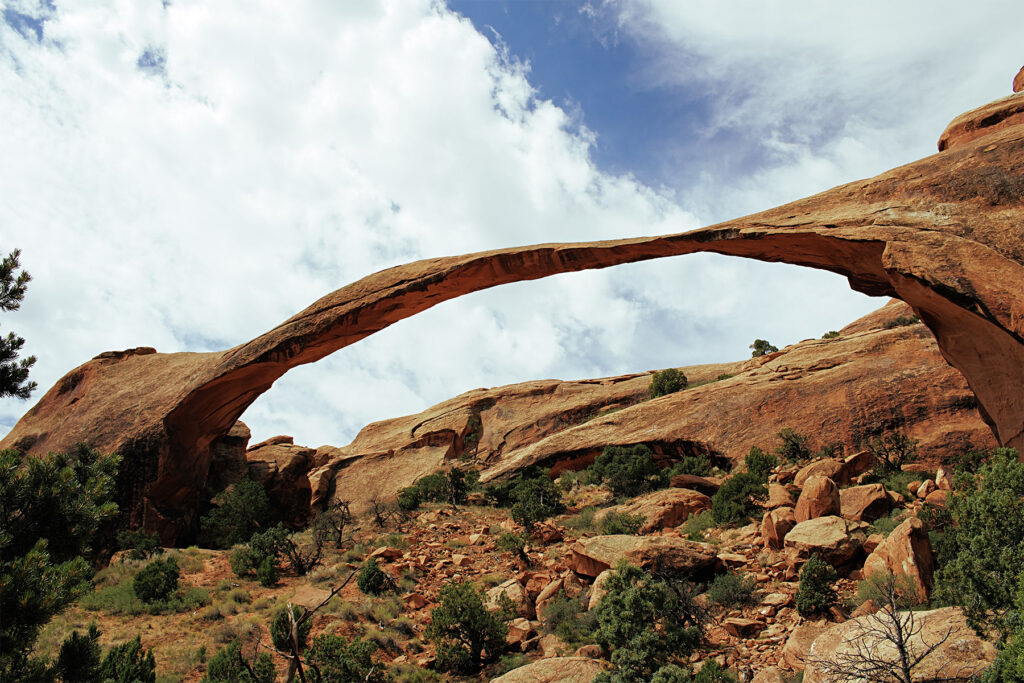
943 234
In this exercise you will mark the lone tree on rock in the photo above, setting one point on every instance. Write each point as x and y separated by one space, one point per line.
762 347
13 373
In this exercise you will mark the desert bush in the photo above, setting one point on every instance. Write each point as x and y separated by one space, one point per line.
509 662
157 581
762 347
267 573
986 545
699 465
583 520
373 580
138 544
334 659
230 666
793 447
79 657
902 321
629 470
465 634
569 619
667 382
621 523
737 500
885 525
831 334
816 594
696 524
129 662
972 461
760 463
731 589
281 629
892 451
513 543
534 499
643 621
898 589
241 510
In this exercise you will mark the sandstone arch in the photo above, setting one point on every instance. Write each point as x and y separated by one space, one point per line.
944 234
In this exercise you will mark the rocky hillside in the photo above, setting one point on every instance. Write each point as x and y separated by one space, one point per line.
875 377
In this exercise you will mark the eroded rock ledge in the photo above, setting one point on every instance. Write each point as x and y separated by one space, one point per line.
943 234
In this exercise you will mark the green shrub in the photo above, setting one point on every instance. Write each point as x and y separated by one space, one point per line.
281 628
762 347
464 632
723 376
535 499
157 581
629 470
229 666
888 589
737 500
667 382
138 544
793 447
409 498
79 657
129 662
337 660
696 524
569 619
731 589
583 520
885 525
816 594
972 461
711 672
267 573
699 465
373 580
644 620
760 463
509 662
512 543
621 523
986 545
241 510
831 334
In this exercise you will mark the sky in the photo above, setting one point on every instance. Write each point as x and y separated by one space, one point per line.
187 175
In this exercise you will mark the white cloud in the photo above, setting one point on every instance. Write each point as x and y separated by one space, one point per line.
282 150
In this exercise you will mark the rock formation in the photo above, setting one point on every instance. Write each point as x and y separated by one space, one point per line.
1018 81
941 233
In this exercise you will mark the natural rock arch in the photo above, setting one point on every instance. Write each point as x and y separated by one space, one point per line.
944 234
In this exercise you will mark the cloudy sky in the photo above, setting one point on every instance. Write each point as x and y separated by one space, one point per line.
186 175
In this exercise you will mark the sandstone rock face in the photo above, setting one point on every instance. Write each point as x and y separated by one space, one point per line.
705 485
281 467
554 670
598 590
906 551
228 464
794 652
941 233
1018 81
591 556
831 538
662 509
775 525
864 503
820 497
962 655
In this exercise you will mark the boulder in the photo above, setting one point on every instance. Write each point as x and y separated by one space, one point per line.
864 503
939 497
961 656
662 509
828 537
598 590
829 468
769 674
706 485
282 468
819 498
925 488
943 480
779 497
775 525
519 631
906 551
794 652
515 592
591 556
742 628
555 670
1018 81
859 463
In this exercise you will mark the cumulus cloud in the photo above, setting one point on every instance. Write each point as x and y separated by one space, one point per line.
188 176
